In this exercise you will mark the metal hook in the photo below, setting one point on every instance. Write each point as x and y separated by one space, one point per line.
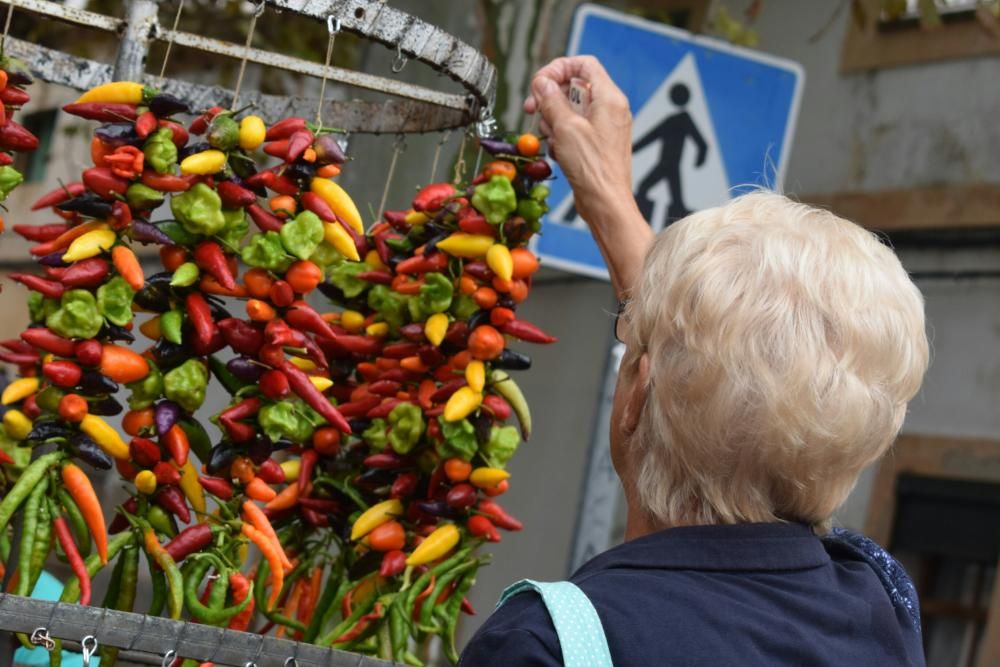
41 637
259 9
168 658
89 646
291 661
332 24
400 60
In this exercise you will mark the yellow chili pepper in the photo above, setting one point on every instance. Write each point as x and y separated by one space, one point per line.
145 482
18 390
436 327
461 404
437 544
352 320
205 162
90 245
339 238
17 424
375 516
252 132
291 469
470 246
151 328
105 436
415 217
373 260
341 203
321 383
117 92
192 490
377 329
304 364
499 260
504 384
487 478
475 375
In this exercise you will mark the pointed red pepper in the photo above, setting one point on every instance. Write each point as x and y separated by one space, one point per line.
264 220
307 391
58 196
49 341
46 288
41 233
209 257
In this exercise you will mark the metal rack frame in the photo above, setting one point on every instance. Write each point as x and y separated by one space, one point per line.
417 109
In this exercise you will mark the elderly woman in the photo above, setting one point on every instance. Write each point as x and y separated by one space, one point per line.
771 350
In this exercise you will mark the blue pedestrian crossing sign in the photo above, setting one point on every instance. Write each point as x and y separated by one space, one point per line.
709 120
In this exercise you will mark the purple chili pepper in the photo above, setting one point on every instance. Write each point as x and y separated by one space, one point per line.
166 415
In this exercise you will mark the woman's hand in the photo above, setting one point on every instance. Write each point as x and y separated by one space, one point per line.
595 153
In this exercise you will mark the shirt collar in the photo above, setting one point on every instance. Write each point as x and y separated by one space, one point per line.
737 547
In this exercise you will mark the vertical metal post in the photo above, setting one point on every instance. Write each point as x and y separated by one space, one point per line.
140 26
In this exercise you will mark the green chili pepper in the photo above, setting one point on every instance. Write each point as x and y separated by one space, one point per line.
198 438
160 151
199 210
171 324
344 277
114 583
10 178
71 591
501 446
342 627
398 629
29 478
176 232
146 391
224 132
302 235
435 296
161 522
77 317
48 398
76 521
236 227
114 301
407 422
217 597
439 586
287 419
531 210
453 609
185 275
325 606
495 199
36 306
375 435
141 197
403 245
266 251
540 192
159 583
391 306
260 597
30 533
463 306
459 440
186 384
127 578
325 255
175 582
229 382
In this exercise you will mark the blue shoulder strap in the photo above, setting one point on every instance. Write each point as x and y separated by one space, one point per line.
581 635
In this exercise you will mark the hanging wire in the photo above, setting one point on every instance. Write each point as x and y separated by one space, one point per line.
397 147
257 12
170 42
332 28
460 162
6 26
437 154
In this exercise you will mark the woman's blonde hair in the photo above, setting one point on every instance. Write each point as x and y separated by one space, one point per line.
784 343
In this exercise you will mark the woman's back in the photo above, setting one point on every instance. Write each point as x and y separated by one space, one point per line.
751 594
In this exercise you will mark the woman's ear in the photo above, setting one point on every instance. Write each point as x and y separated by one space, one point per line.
636 393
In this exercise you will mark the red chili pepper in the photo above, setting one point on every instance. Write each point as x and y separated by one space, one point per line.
377 277
5 458
176 443
89 352
58 196
309 459
89 272
361 345
424 594
15 137
433 197
166 182
382 410
277 332
217 486
467 607
104 182
271 472
461 496
321 505
397 219
284 185
360 407
313 202
200 124
277 148
264 220
200 314
105 112
5 158
146 123
274 384
46 288
423 264
404 485
19 358
189 541
120 523
527 332
166 473
445 391
73 556
234 195
145 452
361 625
49 341
384 388
303 316
17 345
171 499
393 563
262 179
475 223
62 373
298 142
41 233
209 256
285 128
240 335
121 215
180 134
230 419
386 461
498 406
498 516
400 350
239 586
14 96
479 271
436 482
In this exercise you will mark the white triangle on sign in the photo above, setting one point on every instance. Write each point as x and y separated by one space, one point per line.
702 185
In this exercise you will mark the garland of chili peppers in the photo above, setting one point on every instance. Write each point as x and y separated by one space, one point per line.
362 448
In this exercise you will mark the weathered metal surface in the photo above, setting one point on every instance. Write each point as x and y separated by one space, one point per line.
133 46
70 14
356 116
157 636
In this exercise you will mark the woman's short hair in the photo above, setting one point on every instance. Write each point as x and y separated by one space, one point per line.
784 344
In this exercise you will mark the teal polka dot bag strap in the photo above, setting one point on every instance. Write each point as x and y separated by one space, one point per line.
581 634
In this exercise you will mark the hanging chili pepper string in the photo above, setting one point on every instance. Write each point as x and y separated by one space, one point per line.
460 162
332 27
6 26
437 155
257 12
170 41
397 147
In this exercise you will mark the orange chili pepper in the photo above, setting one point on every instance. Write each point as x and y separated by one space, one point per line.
260 490
256 516
274 561
80 489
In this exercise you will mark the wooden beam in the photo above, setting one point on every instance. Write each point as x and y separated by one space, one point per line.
921 208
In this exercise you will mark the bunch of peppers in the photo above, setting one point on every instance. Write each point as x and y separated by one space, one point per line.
362 448
14 137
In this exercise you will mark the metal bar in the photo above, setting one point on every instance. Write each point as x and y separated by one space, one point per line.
357 79
71 15
133 48
156 636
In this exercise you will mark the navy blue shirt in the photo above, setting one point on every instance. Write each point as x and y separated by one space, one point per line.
749 594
